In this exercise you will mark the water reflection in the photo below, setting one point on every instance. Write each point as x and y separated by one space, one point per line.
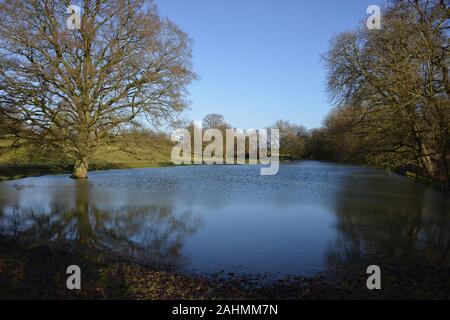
154 233
386 220
310 217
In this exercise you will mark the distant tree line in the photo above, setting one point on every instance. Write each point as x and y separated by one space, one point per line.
292 142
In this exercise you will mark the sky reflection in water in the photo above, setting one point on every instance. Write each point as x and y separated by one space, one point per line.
309 217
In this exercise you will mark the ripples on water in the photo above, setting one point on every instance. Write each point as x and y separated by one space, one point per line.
309 217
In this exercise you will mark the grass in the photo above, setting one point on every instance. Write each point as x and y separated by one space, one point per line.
150 152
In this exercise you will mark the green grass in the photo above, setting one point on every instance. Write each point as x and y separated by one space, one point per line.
150 152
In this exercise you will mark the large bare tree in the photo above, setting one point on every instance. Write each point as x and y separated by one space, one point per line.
71 89
394 84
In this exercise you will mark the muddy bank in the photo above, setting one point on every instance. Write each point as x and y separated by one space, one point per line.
38 271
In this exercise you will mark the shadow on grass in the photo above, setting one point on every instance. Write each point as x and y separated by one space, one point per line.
10 172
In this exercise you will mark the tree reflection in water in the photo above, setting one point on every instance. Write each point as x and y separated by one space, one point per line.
389 225
153 233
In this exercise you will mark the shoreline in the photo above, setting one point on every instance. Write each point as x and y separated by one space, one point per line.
31 270
15 172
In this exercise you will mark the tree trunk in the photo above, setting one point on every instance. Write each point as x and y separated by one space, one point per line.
80 170
427 164
423 154
446 172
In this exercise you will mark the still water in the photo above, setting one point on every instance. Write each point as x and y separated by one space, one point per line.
310 217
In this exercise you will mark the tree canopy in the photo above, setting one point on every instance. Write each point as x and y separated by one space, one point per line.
391 88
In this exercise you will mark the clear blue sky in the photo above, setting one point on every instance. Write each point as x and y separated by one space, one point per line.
259 60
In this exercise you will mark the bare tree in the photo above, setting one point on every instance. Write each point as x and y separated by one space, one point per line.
394 83
72 88
214 121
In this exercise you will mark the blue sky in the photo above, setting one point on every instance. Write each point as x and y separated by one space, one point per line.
259 60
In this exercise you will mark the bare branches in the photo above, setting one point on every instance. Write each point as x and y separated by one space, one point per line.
69 87
392 84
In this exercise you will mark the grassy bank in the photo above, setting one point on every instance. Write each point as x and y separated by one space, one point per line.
130 152
38 271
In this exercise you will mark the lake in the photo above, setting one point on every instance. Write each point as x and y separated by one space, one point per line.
310 217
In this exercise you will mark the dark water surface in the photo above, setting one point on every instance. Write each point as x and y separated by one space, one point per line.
309 217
